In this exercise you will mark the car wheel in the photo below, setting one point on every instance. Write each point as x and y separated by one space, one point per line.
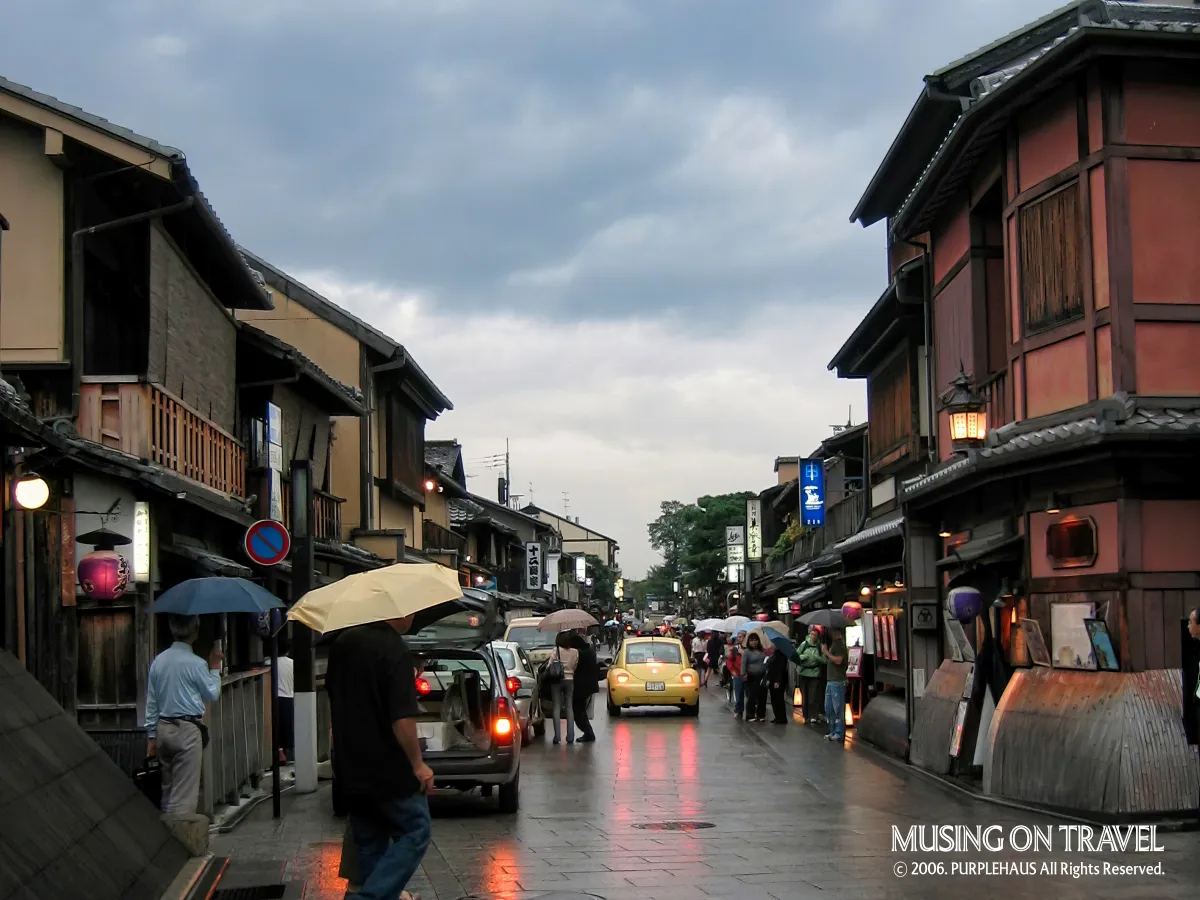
613 709
510 795
692 711
527 736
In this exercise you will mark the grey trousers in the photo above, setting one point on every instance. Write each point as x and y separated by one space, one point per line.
180 753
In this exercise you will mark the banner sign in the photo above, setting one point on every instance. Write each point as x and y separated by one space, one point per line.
812 493
533 566
735 544
580 569
754 529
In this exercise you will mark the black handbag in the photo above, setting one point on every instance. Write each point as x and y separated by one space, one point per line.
149 781
555 671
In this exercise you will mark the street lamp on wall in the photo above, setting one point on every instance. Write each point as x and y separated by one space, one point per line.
30 491
968 418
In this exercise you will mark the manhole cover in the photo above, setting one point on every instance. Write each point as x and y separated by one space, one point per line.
674 826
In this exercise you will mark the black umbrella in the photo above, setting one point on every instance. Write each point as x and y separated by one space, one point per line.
826 618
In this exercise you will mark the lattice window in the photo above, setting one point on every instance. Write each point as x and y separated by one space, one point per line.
1051 271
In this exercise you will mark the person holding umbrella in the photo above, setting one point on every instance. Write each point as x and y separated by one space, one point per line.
178 688
837 659
587 683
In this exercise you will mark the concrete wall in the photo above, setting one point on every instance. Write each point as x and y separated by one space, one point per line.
32 271
193 341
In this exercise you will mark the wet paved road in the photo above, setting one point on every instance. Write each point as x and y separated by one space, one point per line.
793 817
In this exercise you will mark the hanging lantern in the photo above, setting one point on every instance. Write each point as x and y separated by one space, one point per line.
852 610
965 603
968 417
103 573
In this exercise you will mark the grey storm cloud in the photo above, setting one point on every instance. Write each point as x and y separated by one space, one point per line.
596 159
630 215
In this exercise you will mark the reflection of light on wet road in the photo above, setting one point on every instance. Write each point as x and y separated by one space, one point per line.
688 781
500 869
656 757
627 789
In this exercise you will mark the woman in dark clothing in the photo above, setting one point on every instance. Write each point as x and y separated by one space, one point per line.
716 649
754 674
587 678
777 681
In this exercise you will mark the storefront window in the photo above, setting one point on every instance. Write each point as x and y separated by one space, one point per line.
1071 543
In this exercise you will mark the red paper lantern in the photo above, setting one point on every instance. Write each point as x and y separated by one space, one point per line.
852 610
103 574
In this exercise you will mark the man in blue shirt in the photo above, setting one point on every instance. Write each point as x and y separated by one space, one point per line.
180 685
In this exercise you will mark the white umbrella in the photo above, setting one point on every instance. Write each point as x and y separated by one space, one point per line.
730 625
708 625
393 592
566 620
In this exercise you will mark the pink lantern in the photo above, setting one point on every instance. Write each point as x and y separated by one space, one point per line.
852 610
103 574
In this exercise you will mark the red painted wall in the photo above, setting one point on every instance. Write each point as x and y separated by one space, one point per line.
1159 111
1095 112
1107 537
1014 281
1056 377
1171 535
1164 222
1099 204
1167 362
951 239
1104 373
1018 376
1048 138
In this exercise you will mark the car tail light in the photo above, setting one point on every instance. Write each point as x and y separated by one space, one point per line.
423 686
686 678
513 685
502 723
622 678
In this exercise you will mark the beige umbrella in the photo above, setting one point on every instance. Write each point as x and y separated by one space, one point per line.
375 596
566 620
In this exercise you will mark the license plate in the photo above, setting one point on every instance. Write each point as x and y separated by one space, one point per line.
656 686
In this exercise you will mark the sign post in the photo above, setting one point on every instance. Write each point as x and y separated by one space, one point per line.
754 548
812 493
533 566
267 542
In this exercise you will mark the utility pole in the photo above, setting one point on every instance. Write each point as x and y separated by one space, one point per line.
507 472
566 505
303 650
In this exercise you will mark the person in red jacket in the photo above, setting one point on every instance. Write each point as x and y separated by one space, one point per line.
733 660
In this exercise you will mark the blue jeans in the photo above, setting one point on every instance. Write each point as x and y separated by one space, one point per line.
835 708
390 845
564 695
739 695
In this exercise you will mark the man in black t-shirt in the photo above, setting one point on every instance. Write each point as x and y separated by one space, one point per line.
377 762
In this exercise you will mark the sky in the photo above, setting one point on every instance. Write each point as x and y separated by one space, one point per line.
615 232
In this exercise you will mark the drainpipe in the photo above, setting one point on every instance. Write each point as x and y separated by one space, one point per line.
927 301
75 309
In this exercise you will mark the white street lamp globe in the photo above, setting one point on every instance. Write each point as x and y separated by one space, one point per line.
31 492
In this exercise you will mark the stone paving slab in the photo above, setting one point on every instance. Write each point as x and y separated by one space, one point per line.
794 818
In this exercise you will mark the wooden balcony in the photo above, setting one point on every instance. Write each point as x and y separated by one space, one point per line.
842 519
327 513
147 421
997 401
434 538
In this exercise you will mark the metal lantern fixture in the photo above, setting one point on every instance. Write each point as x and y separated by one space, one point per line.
103 573
965 604
968 418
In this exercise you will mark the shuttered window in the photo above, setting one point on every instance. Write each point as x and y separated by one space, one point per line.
1051 271
890 406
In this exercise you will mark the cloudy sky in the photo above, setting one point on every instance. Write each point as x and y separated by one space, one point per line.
614 231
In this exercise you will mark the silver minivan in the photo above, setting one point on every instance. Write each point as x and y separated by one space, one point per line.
522 681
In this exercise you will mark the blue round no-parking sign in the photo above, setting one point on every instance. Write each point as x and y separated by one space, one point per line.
268 542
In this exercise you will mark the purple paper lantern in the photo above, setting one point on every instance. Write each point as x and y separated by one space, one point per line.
965 603
852 610
103 574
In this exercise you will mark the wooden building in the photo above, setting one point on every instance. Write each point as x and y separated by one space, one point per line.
1040 203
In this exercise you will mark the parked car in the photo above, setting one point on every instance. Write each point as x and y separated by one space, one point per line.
538 645
522 678
469 724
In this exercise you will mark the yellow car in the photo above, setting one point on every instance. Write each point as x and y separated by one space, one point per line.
653 671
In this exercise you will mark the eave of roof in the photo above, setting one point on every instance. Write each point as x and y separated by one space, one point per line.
342 399
853 359
248 293
592 531
366 334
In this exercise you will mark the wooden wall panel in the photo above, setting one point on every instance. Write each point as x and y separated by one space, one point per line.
1049 137
1164 196
953 335
1166 359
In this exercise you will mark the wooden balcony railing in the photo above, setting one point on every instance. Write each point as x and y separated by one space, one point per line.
147 421
993 390
327 513
434 537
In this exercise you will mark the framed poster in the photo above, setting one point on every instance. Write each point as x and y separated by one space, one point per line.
895 647
1072 646
1035 643
854 668
877 627
1102 645
960 720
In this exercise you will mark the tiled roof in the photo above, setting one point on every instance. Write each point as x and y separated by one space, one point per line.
443 456
1121 417
878 531
463 511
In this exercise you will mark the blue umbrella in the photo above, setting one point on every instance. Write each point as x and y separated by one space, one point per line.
209 596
